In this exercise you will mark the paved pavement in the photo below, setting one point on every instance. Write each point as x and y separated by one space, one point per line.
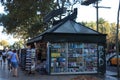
6 75
110 74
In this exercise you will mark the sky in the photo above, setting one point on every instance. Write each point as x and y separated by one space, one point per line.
88 13
85 13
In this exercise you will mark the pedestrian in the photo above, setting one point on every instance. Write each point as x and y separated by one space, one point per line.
9 53
1 59
14 62
4 56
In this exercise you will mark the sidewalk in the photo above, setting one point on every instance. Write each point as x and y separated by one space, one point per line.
109 75
6 75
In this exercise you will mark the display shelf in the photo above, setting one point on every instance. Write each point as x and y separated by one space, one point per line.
78 57
22 58
58 58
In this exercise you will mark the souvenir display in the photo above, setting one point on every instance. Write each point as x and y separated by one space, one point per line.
30 60
58 58
73 57
22 57
33 59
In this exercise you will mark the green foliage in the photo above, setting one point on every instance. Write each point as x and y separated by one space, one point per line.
91 24
105 28
22 17
18 45
4 43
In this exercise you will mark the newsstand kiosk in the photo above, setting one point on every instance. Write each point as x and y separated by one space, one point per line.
72 48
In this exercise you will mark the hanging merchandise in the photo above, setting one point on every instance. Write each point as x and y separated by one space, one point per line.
33 59
22 57
30 60
73 57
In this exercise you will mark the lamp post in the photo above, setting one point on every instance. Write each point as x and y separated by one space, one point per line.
88 2
97 15
117 49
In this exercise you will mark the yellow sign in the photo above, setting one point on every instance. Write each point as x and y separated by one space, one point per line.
55 54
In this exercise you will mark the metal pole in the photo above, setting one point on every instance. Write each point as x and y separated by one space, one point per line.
97 30
97 15
117 49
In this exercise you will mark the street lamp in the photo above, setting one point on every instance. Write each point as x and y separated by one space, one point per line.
88 2
117 49
97 16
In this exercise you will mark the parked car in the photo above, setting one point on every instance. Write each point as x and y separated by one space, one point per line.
113 60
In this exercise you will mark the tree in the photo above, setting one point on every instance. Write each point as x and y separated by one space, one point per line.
18 45
91 24
101 25
106 28
21 16
4 43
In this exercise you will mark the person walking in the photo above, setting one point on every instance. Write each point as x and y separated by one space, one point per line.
1 59
14 62
4 56
9 53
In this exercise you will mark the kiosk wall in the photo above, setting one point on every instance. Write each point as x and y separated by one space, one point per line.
73 57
